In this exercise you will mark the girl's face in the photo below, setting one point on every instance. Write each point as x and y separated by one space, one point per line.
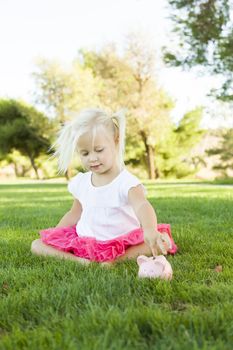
99 153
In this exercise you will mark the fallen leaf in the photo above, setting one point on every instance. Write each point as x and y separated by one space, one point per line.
218 268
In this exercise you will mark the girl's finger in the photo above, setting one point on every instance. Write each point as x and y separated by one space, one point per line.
154 251
162 246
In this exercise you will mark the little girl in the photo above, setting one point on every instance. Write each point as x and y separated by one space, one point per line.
110 218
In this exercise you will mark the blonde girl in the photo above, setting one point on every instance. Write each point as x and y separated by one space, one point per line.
110 218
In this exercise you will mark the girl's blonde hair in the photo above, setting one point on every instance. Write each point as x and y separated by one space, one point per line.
88 120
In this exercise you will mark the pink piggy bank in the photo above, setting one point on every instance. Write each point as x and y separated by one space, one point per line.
157 267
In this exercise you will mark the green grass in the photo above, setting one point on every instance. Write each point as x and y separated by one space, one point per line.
54 304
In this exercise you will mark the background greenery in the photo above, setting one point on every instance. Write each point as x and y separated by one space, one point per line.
204 33
113 79
108 80
52 304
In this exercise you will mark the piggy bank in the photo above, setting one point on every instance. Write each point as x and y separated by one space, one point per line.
154 267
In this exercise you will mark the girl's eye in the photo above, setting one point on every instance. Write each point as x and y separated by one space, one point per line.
84 154
99 150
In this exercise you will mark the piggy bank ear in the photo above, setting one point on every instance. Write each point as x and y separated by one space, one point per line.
141 259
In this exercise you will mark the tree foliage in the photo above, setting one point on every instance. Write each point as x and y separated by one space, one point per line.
128 81
63 90
225 151
205 32
113 81
25 129
174 157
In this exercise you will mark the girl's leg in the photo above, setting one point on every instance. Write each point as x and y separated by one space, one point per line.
134 251
40 248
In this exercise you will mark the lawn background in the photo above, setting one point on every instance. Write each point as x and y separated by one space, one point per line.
52 304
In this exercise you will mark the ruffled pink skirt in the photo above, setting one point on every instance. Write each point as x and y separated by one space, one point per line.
68 240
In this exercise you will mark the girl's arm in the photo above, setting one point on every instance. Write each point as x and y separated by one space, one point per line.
72 216
146 216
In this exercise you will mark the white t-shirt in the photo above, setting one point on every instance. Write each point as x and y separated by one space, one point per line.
106 211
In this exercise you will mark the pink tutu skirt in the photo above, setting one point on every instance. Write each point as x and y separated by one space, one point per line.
68 240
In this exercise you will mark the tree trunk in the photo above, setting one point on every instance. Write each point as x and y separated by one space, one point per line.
151 169
34 167
151 163
17 174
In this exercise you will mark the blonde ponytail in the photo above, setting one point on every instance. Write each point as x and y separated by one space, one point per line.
120 119
65 146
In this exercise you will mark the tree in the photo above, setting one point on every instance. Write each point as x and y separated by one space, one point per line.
25 129
225 151
119 80
188 132
64 90
114 74
129 81
174 157
151 106
205 38
20 163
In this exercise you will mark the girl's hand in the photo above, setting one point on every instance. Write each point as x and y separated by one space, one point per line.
153 239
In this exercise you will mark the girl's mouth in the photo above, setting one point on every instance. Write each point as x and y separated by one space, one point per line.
95 166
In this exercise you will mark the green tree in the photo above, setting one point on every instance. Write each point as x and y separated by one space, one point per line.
116 81
205 38
150 106
174 157
188 132
63 90
128 81
121 80
20 163
25 129
225 151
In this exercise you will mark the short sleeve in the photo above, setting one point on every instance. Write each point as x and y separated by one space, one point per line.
128 182
74 185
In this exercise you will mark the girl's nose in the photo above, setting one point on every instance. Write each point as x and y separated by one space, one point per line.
93 157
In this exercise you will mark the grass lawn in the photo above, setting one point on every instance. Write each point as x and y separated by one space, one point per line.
53 304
